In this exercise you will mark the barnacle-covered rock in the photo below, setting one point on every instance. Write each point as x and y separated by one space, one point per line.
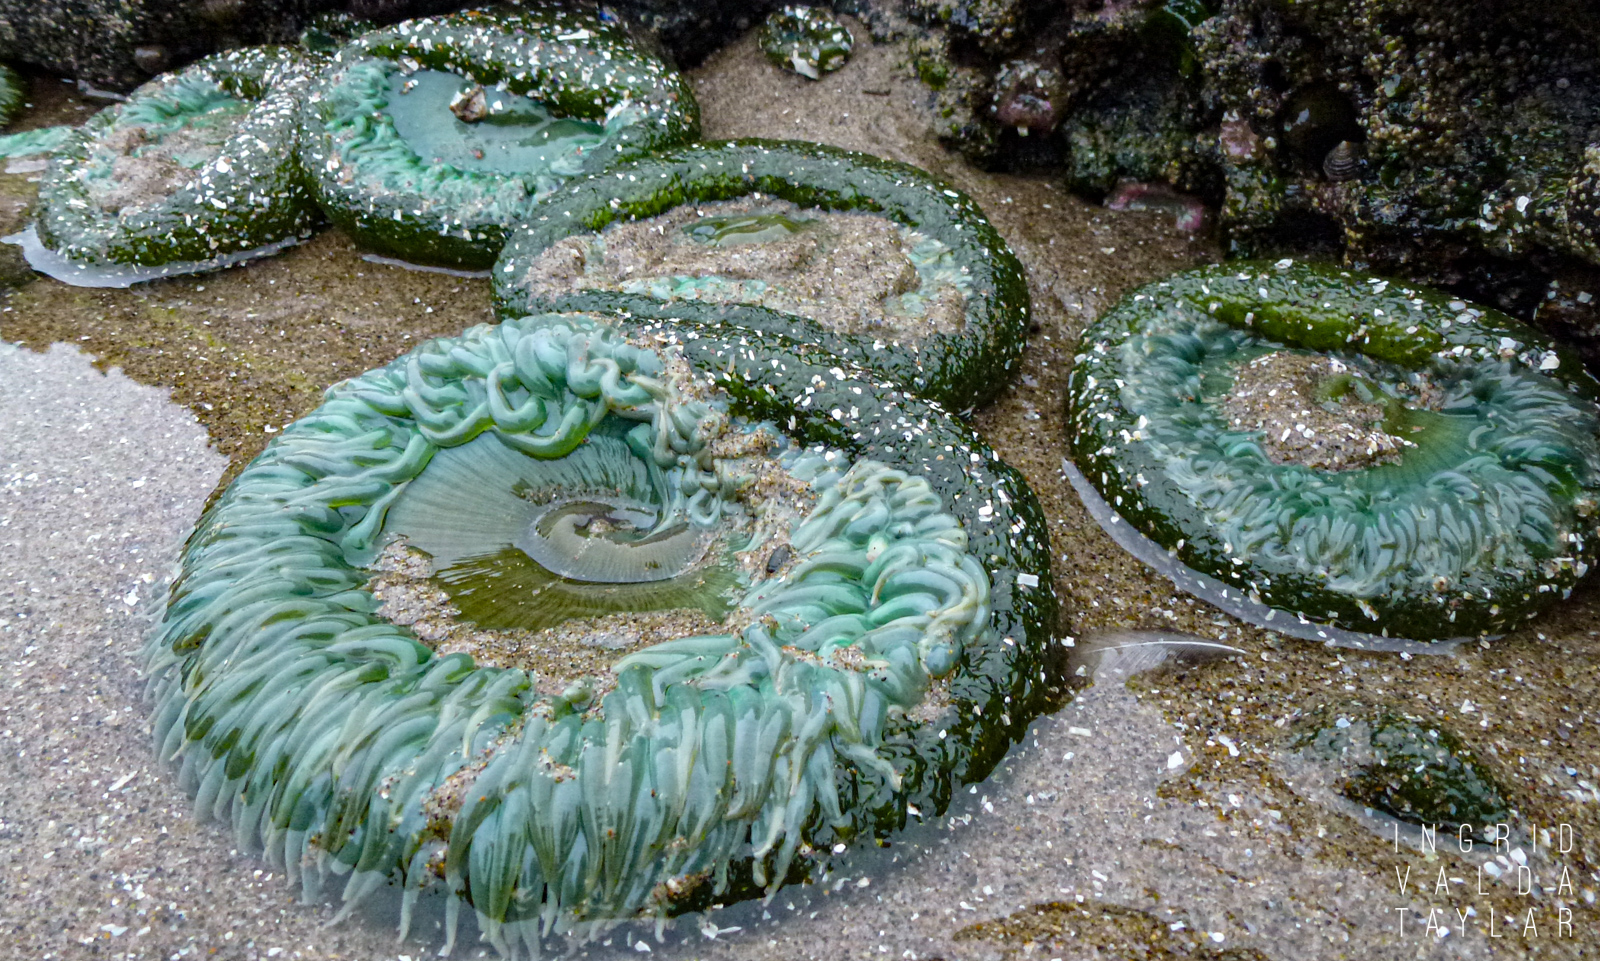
807 40
429 139
1473 119
883 598
1343 447
197 167
831 250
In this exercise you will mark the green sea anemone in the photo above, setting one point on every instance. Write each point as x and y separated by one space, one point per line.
197 167
870 260
878 580
428 139
1344 447
13 92
807 40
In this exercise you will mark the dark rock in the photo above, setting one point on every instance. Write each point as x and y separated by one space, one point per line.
98 41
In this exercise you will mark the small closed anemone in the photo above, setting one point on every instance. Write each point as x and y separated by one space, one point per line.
196 170
428 139
1346 448
669 634
871 260
807 40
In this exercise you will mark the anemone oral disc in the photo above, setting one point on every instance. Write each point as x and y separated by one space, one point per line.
517 135
865 260
543 541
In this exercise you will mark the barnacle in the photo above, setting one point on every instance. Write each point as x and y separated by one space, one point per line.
807 40
893 645
1343 447
426 140
830 250
197 167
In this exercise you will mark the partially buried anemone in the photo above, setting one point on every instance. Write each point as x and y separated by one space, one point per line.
198 167
1343 447
874 261
429 139
670 634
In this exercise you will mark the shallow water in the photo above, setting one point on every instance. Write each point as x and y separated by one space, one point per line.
1230 839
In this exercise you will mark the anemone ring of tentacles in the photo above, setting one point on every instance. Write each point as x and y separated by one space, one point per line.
1344 447
883 638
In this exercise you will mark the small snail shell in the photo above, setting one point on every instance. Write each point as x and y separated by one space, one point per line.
1343 162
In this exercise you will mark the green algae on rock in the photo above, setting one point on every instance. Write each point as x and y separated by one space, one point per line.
894 649
831 250
197 166
429 139
12 94
1411 769
1342 447
807 40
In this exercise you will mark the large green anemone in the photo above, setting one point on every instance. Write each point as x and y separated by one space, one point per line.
882 602
429 139
830 250
1344 447
197 167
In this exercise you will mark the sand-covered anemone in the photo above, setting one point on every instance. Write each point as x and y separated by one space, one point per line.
884 637
1359 452
428 139
875 261
807 40
197 168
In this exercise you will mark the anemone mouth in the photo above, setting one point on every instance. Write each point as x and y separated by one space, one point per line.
428 139
544 542
450 119
1387 460
196 169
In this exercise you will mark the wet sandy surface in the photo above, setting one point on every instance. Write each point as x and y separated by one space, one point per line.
1169 804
